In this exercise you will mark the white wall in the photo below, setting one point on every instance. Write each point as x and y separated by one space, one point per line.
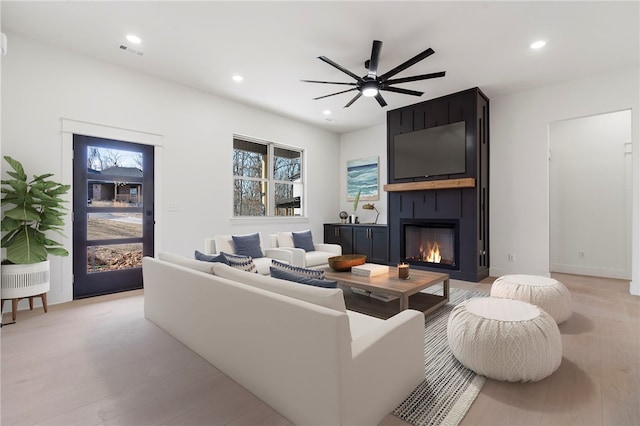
42 84
519 179
590 195
359 144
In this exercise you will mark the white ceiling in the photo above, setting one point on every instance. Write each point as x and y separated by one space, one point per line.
276 44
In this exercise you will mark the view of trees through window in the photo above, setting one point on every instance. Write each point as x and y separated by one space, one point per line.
267 179
103 158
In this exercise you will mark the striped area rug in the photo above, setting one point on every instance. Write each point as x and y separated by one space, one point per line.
450 388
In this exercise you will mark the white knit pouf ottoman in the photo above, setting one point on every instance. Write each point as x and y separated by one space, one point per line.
551 295
504 339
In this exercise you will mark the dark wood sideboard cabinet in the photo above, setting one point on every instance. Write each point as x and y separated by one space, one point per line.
368 239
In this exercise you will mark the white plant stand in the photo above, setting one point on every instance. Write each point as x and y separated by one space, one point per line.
25 281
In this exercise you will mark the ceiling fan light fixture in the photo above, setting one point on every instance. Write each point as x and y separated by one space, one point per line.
369 89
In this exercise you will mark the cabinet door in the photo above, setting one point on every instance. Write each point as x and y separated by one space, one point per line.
332 234
361 242
346 239
379 246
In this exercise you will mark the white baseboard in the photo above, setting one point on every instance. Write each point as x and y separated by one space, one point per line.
591 271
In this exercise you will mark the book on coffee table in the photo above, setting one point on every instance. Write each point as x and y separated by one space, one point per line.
383 297
370 270
360 291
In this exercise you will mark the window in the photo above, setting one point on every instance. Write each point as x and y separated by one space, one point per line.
267 179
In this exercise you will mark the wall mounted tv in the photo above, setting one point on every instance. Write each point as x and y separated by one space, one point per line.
435 151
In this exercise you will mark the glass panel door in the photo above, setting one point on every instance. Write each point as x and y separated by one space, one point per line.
113 214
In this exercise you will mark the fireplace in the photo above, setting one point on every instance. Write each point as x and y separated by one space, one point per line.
430 243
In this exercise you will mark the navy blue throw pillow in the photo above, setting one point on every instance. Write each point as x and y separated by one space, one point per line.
209 258
303 240
284 275
248 245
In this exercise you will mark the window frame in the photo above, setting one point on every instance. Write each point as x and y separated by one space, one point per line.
271 181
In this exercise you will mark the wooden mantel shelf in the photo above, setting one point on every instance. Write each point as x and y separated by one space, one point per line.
430 185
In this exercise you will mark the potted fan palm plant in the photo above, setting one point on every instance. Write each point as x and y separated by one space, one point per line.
31 208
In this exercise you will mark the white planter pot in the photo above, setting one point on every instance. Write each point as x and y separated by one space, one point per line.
20 281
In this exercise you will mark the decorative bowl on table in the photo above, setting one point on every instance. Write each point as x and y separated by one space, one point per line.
346 261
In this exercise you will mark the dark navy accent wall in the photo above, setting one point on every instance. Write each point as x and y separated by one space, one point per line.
470 206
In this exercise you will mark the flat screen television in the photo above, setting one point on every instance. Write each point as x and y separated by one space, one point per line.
435 151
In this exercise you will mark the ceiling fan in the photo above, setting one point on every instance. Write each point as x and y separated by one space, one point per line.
371 84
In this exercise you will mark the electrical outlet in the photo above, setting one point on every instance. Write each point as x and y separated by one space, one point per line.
511 257
581 255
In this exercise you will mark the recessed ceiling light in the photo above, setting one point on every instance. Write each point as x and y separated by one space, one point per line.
237 78
326 112
134 39
538 44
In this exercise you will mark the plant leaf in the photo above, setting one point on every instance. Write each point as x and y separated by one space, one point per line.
15 165
23 212
57 251
10 224
26 247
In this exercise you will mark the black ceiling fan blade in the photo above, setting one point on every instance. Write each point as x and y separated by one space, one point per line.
355 98
333 94
403 91
328 82
381 100
340 67
403 66
375 58
416 78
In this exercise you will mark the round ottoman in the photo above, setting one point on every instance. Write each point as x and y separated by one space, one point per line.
504 339
551 295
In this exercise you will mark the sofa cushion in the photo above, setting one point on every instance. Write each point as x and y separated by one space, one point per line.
210 258
247 245
311 273
285 240
303 240
243 263
317 258
198 265
328 297
224 243
284 275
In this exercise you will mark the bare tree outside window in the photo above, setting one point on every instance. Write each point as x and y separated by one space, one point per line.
267 179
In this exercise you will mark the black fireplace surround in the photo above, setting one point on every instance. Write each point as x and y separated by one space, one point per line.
423 200
431 243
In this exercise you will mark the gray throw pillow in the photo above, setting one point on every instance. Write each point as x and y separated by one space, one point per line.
248 245
210 258
284 275
303 240
311 273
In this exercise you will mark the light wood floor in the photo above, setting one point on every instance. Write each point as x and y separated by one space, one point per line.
99 362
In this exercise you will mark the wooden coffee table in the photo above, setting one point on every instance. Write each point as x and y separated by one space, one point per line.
408 291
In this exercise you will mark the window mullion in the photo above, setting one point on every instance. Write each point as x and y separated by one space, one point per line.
272 194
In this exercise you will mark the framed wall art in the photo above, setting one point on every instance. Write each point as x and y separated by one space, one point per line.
363 177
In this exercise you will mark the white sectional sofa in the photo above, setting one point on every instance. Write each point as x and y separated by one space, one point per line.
294 346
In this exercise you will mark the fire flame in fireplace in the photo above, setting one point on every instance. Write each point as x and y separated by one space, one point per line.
432 254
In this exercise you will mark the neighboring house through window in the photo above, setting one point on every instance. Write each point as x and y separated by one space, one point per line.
267 178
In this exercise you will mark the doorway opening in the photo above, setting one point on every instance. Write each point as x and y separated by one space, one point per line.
590 193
